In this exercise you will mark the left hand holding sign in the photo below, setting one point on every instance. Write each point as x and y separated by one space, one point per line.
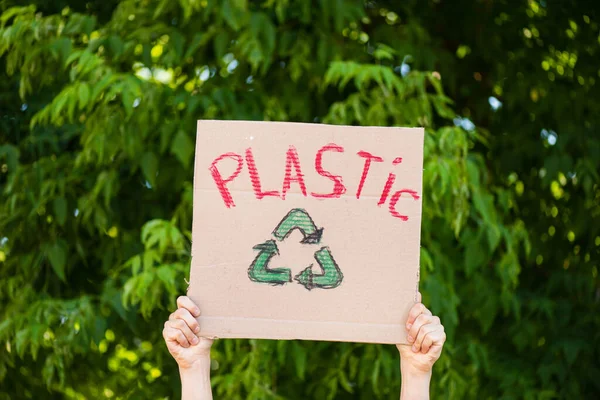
181 334
190 350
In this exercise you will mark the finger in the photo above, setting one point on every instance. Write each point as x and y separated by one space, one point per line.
421 320
174 335
436 348
423 331
426 343
415 311
184 314
188 304
426 334
435 337
180 325
438 344
419 297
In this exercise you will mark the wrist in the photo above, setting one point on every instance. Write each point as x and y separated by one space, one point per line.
200 365
411 371
415 382
195 380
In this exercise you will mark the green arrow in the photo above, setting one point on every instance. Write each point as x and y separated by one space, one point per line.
330 278
299 219
259 271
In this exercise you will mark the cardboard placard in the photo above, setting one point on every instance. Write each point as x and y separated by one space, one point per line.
306 231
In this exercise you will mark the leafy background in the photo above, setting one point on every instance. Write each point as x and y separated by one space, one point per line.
98 105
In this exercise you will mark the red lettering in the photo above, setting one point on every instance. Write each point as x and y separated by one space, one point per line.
394 200
386 189
292 161
222 183
368 159
388 184
338 187
258 192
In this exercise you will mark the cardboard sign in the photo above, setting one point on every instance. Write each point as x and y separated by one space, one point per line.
306 231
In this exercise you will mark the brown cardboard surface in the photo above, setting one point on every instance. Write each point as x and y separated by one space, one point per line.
370 252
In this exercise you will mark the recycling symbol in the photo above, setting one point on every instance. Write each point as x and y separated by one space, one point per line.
330 277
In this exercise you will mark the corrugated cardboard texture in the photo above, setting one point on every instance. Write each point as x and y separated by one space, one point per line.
376 251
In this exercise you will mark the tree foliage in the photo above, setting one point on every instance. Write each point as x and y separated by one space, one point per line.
97 124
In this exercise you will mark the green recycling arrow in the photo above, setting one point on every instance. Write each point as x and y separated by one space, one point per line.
299 219
259 272
330 278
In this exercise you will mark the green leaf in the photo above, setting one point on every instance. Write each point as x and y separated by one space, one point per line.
375 374
235 13
167 274
221 43
182 147
58 104
21 340
300 356
160 9
11 12
11 154
149 165
57 254
72 57
84 95
115 45
474 258
178 42
426 261
344 382
63 47
60 210
72 103
136 265
102 84
146 54
194 45
128 98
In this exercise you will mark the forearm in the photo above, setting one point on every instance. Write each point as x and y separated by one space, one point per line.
415 384
195 381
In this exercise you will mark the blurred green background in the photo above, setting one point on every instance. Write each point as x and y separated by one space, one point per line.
98 105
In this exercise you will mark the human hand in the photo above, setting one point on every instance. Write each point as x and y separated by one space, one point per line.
426 339
181 334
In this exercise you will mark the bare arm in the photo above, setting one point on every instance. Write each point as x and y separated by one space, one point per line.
190 350
195 382
426 339
415 385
